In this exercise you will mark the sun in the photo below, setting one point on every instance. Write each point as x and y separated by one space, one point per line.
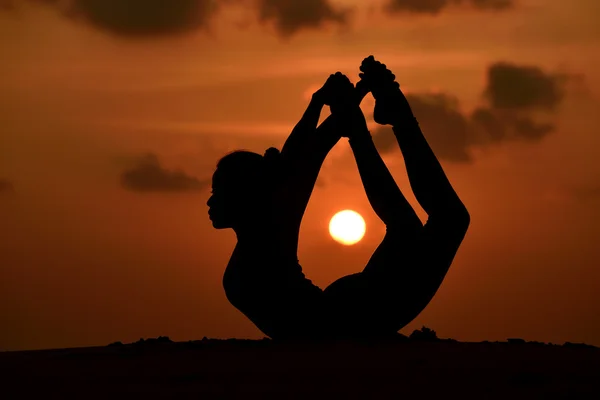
347 227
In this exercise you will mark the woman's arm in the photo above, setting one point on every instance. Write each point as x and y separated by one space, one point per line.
307 146
303 155
305 139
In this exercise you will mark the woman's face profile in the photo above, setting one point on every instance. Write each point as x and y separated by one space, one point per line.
231 202
221 204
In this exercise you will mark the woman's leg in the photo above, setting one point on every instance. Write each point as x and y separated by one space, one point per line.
384 195
386 295
426 176
410 264
381 299
448 218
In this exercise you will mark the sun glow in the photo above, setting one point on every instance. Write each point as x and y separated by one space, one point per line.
347 227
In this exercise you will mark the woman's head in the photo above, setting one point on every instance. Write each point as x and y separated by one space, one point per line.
241 187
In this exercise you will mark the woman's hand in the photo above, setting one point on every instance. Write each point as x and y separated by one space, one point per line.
344 101
327 93
345 106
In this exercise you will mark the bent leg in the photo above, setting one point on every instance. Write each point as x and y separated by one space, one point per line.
425 173
406 269
383 297
397 283
410 264
386 295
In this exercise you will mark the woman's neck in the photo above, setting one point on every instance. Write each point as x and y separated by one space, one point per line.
252 232
261 239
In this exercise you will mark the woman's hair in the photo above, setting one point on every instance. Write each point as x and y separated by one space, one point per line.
250 168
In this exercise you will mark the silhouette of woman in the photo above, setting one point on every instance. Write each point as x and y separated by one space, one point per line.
263 198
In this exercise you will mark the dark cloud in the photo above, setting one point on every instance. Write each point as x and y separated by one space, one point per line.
291 16
436 6
6 186
495 126
515 95
490 122
452 133
490 126
513 86
447 130
155 18
149 176
384 139
527 128
152 18
138 18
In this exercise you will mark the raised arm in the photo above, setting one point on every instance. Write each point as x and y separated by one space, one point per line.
307 147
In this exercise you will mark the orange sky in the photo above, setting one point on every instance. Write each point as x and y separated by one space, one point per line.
85 260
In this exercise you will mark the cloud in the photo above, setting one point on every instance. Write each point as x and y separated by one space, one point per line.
488 121
495 126
509 115
291 16
528 129
6 186
162 18
448 130
149 176
384 139
154 18
512 86
434 7
515 96
138 18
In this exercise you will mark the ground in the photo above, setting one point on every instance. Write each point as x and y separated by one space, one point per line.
219 369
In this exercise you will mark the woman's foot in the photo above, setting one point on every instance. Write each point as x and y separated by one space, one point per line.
390 103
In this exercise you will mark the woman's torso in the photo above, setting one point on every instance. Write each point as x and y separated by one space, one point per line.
268 286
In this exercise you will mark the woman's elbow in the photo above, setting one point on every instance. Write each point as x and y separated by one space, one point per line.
462 217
